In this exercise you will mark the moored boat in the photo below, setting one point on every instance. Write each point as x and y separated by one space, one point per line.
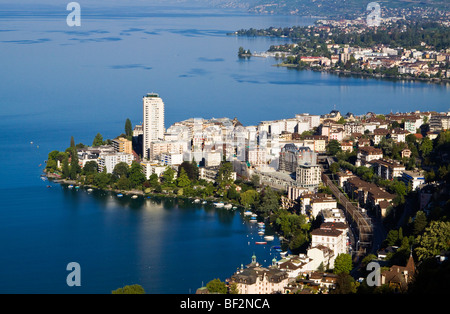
259 243
219 204
269 238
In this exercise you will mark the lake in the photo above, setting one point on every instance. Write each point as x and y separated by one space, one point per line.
57 82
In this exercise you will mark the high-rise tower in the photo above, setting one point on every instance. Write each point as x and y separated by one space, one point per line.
153 122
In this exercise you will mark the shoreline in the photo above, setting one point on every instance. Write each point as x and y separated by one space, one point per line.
55 179
442 81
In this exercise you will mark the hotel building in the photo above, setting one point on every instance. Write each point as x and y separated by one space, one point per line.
153 123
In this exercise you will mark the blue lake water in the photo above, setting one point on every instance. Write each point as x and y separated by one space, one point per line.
57 82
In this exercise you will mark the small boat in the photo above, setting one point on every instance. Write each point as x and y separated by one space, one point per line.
119 195
248 213
70 186
260 243
204 202
197 201
77 187
134 197
234 207
219 204
269 238
261 232
90 190
228 206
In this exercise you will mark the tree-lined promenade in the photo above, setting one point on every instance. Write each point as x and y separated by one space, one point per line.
246 193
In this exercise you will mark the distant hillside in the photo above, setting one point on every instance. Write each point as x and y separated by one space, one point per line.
329 8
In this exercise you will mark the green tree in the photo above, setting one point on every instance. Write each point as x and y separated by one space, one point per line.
136 175
333 147
102 179
75 168
435 239
224 175
98 140
232 194
269 201
65 167
121 170
131 289
391 238
123 183
216 286
249 198
334 167
255 180
343 264
168 176
183 179
153 180
234 288
188 169
426 147
90 167
72 142
420 222
128 128
195 171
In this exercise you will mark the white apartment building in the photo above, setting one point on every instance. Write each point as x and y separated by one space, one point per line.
159 147
212 159
153 121
333 215
308 175
368 153
109 161
317 205
257 157
312 120
333 239
150 168
171 159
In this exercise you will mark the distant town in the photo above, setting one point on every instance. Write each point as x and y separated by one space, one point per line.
398 48
341 190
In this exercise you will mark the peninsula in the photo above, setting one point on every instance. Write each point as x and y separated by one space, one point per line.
303 176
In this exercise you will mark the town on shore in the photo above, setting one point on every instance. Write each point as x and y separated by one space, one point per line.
341 190
398 48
